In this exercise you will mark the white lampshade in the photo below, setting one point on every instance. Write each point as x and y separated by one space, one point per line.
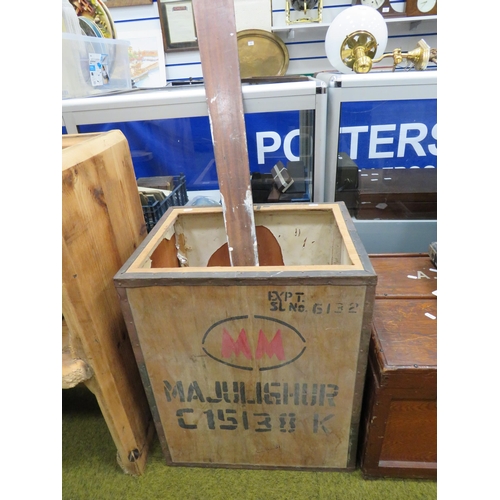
358 17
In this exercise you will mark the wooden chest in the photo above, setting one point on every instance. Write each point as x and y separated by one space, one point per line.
398 435
253 366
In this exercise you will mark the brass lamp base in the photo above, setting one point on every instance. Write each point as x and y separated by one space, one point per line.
420 56
359 48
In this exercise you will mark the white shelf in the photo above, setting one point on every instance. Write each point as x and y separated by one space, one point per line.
404 19
301 26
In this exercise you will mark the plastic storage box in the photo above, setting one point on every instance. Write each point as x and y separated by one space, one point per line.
177 198
93 66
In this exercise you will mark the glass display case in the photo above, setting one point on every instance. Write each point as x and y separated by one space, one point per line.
381 156
169 133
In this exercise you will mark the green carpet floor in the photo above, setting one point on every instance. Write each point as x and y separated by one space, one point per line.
90 471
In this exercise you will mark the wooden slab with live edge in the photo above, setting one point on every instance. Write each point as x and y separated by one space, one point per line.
102 224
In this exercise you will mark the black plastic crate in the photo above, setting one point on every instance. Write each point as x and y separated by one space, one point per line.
177 198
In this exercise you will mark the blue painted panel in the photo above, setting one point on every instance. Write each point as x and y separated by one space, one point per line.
395 133
184 145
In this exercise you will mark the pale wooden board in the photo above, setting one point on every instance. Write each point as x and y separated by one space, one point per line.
181 330
102 224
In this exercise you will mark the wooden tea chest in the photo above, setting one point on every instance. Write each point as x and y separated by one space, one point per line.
253 366
399 422
405 276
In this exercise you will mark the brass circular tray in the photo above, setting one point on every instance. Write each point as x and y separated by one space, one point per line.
261 53
98 15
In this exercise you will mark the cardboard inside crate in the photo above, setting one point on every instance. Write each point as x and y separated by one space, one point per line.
189 239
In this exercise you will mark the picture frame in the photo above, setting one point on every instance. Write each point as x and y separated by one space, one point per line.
177 25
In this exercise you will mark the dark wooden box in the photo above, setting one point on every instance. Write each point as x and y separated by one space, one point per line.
398 434
405 276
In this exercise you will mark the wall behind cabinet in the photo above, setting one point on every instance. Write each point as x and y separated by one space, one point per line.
305 45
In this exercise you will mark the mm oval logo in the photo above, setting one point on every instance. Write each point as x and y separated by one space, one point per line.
253 343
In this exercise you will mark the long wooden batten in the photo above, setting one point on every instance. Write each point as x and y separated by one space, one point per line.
216 31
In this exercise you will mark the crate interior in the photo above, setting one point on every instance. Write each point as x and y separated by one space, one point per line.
192 238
